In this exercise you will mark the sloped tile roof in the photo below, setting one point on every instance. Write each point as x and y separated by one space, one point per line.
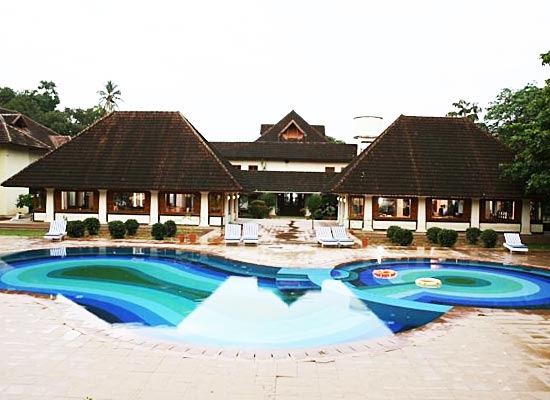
133 151
287 151
287 181
430 156
271 133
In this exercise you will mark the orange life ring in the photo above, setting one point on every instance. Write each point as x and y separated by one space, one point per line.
384 273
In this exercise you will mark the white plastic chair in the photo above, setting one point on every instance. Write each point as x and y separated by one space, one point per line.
324 236
339 233
512 242
232 234
250 233
58 230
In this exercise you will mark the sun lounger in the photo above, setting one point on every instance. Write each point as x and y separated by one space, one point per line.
512 242
250 233
58 230
232 234
324 236
339 233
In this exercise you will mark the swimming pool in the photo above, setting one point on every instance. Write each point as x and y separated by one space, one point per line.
207 300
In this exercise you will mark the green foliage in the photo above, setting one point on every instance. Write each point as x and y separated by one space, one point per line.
76 229
92 225
334 140
488 238
117 229
390 233
447 237
258 209
472 235
131 226
314 202
170 228
402 237
432 234
465 109
270 199
109 97
24 200
158 231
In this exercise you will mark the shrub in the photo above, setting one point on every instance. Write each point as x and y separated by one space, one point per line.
432 234
447 237
25 200
488 238
76 229
391 232
472 235
402 237
92 225
258 209
158 231
170 228
270 199
314 202
131 226
117 229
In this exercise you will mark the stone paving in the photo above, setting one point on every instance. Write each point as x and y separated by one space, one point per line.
53 349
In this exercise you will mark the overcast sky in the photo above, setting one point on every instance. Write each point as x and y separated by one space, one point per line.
230 66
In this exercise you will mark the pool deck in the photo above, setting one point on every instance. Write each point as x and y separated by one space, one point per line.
52 349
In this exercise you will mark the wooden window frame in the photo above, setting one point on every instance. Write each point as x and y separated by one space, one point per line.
413 213
496 220
111 206
356 217
164 211
465 217
94 206
35 206
216 213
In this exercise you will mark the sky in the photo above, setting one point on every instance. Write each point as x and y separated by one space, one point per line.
230 66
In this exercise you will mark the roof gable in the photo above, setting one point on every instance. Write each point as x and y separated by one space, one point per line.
430 156
19 130
289 129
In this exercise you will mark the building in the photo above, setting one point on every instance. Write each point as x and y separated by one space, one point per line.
22 141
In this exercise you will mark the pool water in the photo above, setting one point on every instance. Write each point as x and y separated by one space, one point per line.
202 299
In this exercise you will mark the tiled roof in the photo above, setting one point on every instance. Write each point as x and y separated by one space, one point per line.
287 181
312 133
430 156
133 151
19 130
287 151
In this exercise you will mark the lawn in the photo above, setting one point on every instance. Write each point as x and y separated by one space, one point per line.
21 232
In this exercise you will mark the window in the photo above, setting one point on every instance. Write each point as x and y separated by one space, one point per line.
536 212
39 199
252 167
356 207
72 201
215 204
448 209
133 202
237 166
388 207
180 203
329 169
500 210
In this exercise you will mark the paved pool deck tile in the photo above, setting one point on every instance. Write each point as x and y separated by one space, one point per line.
53 349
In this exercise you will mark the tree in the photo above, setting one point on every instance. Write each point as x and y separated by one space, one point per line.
109 97
466 109
334 140
521 119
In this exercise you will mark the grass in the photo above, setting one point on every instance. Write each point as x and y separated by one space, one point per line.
539 246
21 232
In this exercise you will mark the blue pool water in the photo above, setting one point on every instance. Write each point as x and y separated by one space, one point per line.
212 301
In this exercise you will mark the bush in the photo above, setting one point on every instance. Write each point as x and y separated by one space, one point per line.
117 229
158 231
432 234
131 226
258 209
25 200
488 238
391 232
170 228
76 229
447 237
402 237
270 199
472 235
92 225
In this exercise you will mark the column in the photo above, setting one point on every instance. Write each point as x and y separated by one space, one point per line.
421 215
340 210
345 219
236 210
154 209
204 209
50 208
525 217
367 214
102 210
474 218
227 208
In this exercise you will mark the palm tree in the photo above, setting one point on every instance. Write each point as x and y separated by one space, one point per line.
109 97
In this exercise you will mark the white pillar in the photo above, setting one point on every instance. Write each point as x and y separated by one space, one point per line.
345 220
50 207
421 215
367 213
204 209
474 217
102 209
227 208
525 217
154 207
236 209
340 210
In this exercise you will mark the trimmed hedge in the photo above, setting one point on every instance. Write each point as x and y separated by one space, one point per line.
447 237
432 234
76 229
488 238
170 228
258 209
158 231
131 227
92 225
402 237
117 229
472 235
390 233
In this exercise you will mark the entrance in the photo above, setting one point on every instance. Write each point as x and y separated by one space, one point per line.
290 204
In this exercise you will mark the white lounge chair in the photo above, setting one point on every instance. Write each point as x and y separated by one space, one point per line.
324 236
250 233
512 242
339 233
232 234
58 230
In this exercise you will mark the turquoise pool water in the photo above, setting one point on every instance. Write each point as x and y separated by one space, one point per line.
212 301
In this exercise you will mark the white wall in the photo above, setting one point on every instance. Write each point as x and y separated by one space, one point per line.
290 166
410 225
500 227
457 226
73 216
